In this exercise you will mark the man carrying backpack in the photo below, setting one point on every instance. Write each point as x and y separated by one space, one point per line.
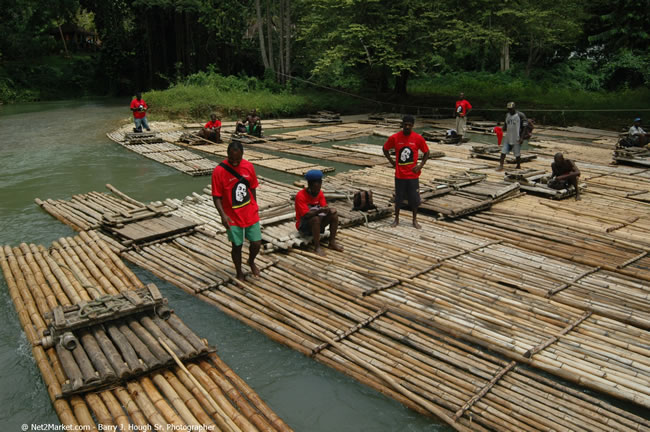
516 129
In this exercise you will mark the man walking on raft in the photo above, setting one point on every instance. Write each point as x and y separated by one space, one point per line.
313 215
514 138
233 192
407 145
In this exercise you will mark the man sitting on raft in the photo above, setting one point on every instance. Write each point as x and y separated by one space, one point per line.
212 129
565 173
313 215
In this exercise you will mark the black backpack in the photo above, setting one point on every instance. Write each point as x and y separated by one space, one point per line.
362 200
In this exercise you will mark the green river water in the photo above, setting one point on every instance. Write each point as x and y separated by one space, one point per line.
56 150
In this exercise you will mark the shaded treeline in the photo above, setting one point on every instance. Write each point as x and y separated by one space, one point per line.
363 45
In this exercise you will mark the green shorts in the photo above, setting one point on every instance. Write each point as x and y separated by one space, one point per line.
252 233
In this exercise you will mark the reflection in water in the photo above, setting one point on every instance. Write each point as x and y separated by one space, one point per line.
56 150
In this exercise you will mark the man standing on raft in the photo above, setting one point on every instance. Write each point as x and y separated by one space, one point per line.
407 145
233 193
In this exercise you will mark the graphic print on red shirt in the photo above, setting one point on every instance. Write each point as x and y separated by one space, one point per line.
407 148
136 104
462 106
237 200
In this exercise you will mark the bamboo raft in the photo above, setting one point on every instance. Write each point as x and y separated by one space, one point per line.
203 393
152 147
632 156
535 182
493 152
327 133
329 309
431 326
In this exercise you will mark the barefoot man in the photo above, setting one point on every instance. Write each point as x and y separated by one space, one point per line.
313 215
233 192
407 145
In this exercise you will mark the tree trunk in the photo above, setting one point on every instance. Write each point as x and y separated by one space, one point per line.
269 40
401 81
65 45
260 32
533 53
281 44
287 51
505 56
148 34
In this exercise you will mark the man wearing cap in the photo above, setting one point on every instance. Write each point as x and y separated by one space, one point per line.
407 145
513 137
463 107
233 192
313 215
637 135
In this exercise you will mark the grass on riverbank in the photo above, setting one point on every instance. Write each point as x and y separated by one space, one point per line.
197 102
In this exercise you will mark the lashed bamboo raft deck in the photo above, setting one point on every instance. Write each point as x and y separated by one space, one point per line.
163 152
361 314
327 133
204 393
429 316
266 160
492 152
632 156
530 181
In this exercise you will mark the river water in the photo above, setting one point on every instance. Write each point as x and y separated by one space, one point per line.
55 150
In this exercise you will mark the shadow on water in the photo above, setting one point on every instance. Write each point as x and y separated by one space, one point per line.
55 150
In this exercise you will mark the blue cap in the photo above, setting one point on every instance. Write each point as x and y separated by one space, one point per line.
314 175
638 119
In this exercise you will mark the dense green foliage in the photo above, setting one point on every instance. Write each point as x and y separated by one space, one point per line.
549 52
203 93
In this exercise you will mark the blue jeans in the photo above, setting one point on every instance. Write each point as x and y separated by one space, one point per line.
141 123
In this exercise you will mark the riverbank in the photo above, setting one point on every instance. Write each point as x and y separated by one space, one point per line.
197 96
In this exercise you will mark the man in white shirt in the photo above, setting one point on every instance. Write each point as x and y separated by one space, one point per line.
637 134
513 137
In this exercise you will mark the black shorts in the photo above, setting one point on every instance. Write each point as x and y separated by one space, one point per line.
407 189
305 229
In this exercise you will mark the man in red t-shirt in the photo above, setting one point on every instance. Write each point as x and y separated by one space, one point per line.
407 145
463 107
212 129
233 193
312 213
139 108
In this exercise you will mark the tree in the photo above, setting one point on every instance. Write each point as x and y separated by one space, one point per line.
275 34
375 37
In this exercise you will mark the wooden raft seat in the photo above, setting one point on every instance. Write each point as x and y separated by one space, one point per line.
116 338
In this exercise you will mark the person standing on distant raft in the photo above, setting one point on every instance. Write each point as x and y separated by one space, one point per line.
407 145
233 192
513 125
139 108
313 215
212 129
463 107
